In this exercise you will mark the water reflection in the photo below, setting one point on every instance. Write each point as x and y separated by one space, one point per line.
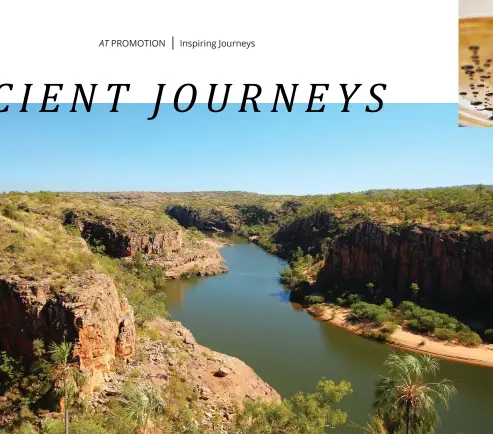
175 291
297 306
282 296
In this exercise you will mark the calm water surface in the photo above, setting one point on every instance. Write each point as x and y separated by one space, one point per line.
246 313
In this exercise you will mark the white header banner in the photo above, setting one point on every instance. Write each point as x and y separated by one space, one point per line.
410 46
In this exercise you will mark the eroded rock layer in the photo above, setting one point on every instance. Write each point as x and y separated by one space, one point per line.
444 263
88 312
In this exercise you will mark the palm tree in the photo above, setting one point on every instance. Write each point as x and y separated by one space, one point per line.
405 396
142 403
64 375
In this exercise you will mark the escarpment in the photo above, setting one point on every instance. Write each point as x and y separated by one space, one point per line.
226 218
443 263
310 233
87 311
122 240
205 220
157 237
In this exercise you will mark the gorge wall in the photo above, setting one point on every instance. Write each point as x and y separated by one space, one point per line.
448 264
203 220
226 218
120 243
88 312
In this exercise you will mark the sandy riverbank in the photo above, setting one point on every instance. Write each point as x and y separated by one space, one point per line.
482 355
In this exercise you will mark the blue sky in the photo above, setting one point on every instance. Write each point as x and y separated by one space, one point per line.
403 146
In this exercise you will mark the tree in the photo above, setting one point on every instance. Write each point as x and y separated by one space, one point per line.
414 290
142 403
404 398
64 375
308 413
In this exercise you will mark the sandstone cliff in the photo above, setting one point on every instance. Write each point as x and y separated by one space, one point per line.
214 219
88 312
226 218
180 253
448 264
198 258
122 242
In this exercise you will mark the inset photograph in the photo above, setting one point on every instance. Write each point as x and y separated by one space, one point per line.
476 63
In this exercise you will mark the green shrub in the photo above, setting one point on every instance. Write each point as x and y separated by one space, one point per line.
353 298
10 211
72 230
445 334
387 304
314 299
488 336
292 276
82 426
10 370
347 299
367 312
426 320
469 339
308 260
318 309
377 335
389 327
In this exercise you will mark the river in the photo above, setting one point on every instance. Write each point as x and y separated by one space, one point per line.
246 313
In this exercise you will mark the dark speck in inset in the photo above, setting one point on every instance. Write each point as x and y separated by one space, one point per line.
488 109
475 93
476 103
462 93
479 70
480 85
489 94
490 118
486 76
467 67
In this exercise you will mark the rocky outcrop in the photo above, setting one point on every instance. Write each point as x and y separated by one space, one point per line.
193 259
87 311
309 232
120 243
226 218
208 220
221 382
448 264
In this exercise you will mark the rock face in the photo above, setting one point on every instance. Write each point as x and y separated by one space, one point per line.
447 264
121 244
226 218
198 260
213 220
87 312
176 354
235 380
299 232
